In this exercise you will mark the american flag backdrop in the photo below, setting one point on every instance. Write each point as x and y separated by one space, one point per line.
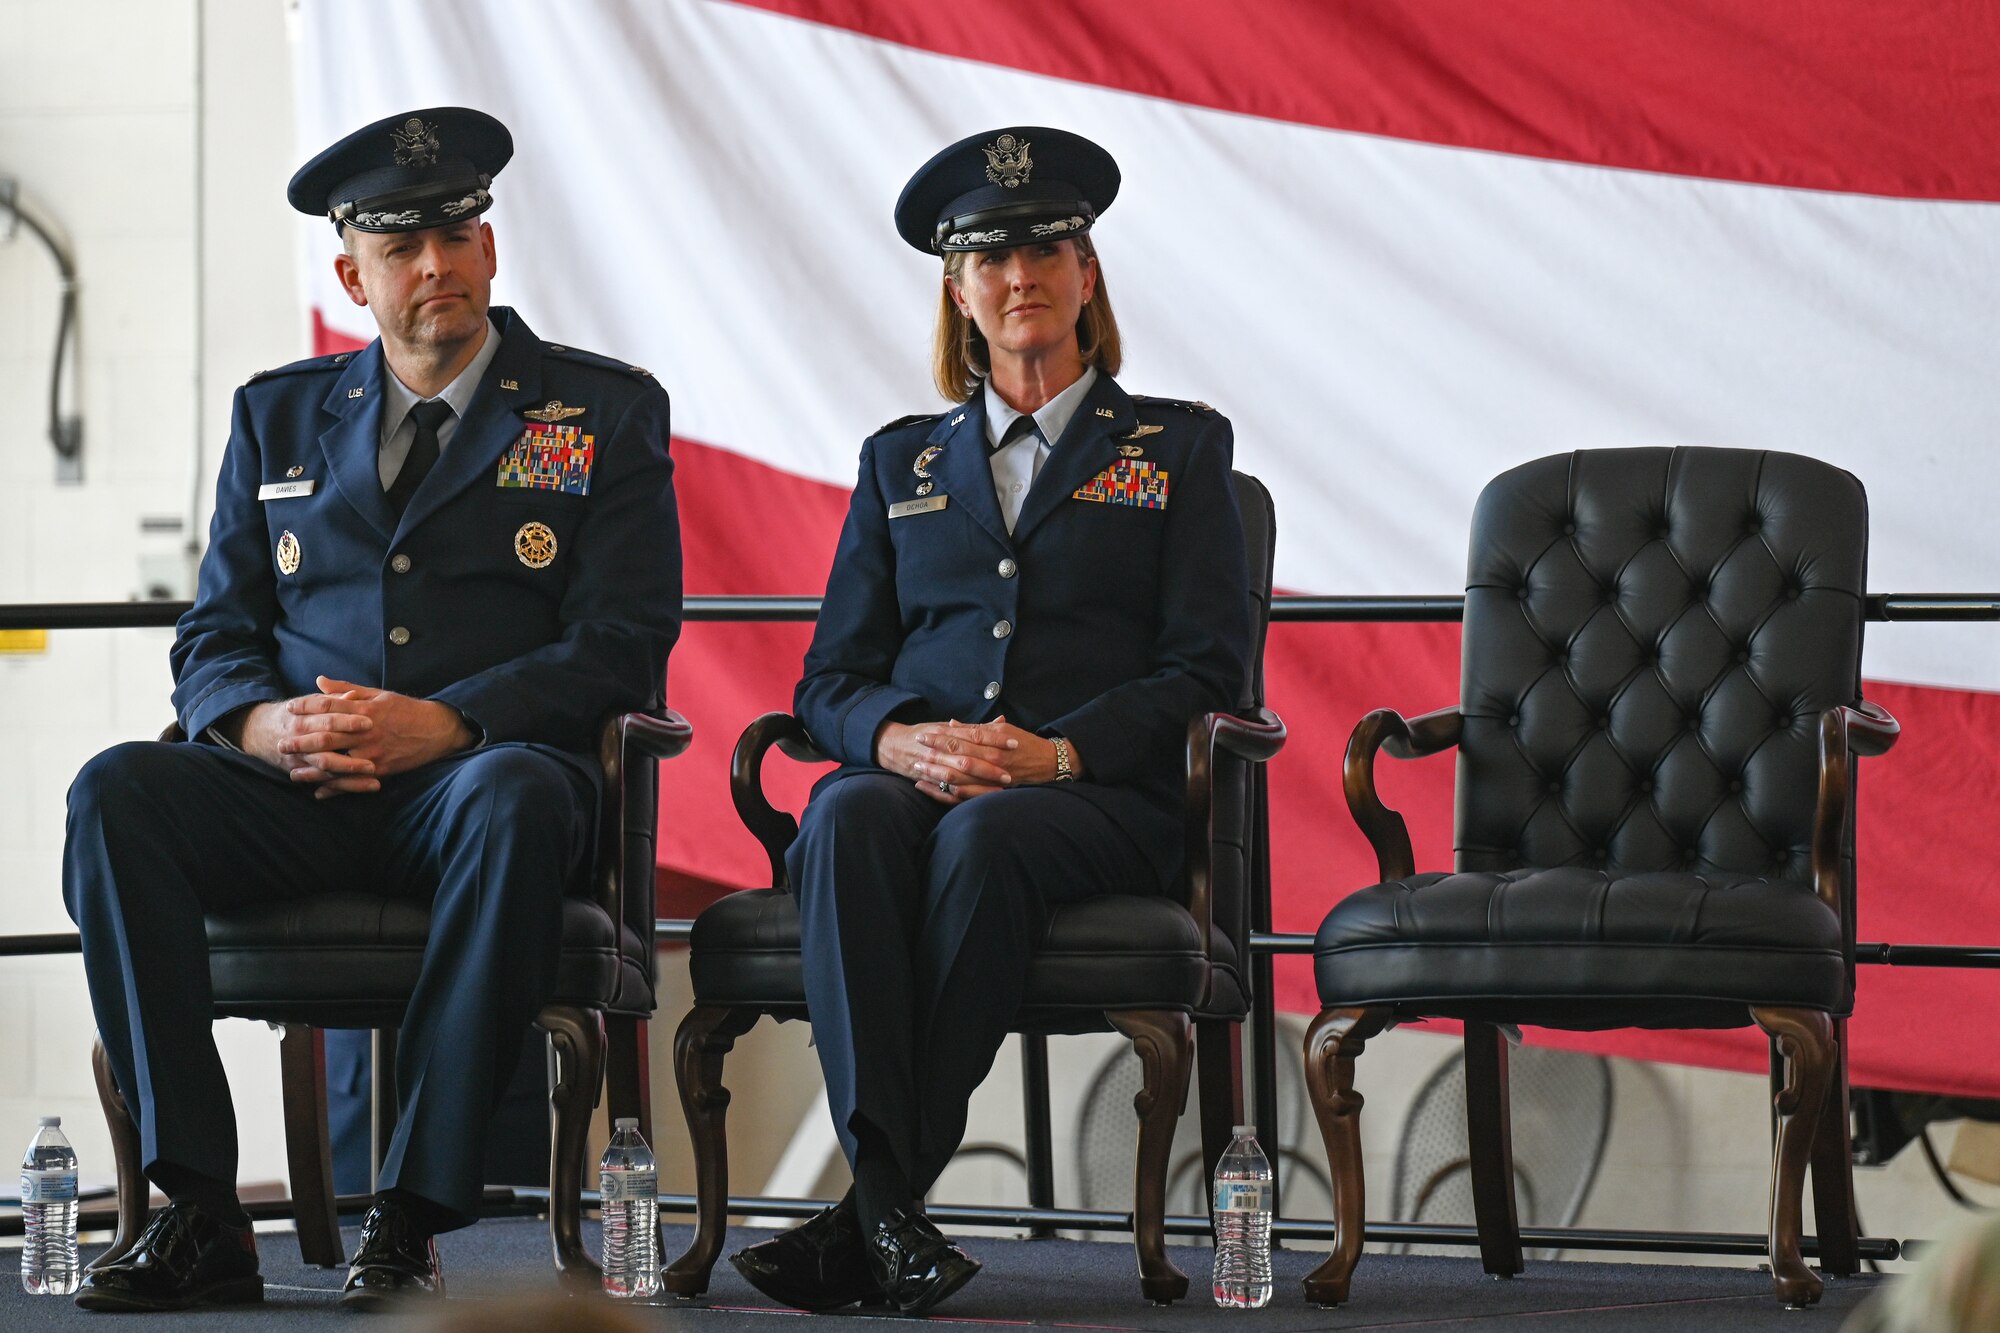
1404 246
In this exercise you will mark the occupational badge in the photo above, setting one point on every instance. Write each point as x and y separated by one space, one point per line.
295 469
549 458
288 554
1130 451
1127 482
925 459
536 545
555 411
1007 161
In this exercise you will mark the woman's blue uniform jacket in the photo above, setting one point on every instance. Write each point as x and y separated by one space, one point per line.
527 654
1117 610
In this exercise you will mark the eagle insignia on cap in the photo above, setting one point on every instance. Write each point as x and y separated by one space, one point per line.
1007 161
416 144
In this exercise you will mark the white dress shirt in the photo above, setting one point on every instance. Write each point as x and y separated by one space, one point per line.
1016 466
399 432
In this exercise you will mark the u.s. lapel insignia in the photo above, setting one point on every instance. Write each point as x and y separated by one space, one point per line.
554 412
1141 432
1106 412
355 393
510 385
288 554
925 459
1130 451
535 544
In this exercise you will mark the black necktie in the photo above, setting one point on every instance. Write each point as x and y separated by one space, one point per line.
423 455
1019 426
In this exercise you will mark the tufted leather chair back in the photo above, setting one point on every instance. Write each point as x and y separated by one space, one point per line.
1650 637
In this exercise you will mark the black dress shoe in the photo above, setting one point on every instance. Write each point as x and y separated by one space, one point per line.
819 1265
396 1265
184 1257
915 1264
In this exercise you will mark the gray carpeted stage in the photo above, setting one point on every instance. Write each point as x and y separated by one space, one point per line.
1054 1283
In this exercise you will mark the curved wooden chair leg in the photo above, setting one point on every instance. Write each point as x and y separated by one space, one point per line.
133 1191
705 1037
1490 1148
308 1145
1332 1044
1834 1213
1805 1036
577 1037
1164 1040
1218 1065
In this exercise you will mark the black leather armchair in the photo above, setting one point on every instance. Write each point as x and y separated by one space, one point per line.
1660 702
351 961
1160 970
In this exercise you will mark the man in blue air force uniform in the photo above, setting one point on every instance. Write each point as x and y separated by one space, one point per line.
436 566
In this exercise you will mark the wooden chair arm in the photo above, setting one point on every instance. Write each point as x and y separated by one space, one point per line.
627 739
1844 733
1410 738
662 735
1256 739
772 827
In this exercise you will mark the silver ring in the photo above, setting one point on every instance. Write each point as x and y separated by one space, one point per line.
944 787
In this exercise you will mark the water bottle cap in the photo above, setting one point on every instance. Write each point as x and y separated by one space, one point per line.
626 1122
52 1121
1241 1130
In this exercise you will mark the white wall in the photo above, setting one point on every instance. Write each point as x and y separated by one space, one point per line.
169 187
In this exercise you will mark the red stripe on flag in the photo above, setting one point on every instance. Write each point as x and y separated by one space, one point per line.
1852 95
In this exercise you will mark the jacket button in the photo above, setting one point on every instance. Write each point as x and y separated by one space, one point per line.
992 689
1002 628
401 563
399 636
1008 569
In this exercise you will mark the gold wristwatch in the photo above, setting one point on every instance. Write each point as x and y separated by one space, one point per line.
1064 771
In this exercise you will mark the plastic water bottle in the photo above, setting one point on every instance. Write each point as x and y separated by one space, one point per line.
48 1213
1243 1224
628 1182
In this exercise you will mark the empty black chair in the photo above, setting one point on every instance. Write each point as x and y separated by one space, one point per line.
1660 699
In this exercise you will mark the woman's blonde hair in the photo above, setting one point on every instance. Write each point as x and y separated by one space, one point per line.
958 350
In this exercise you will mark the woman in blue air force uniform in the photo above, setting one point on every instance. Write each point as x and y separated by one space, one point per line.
1033 593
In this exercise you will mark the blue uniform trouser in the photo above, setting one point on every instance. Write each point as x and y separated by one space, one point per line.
161 833
917 922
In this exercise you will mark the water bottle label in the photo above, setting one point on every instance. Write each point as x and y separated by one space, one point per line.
622 1186
1242 1196
47 1186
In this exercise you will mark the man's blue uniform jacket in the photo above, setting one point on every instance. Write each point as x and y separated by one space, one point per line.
1116 610
439 605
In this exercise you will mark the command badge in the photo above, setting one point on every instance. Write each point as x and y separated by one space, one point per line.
288 553
534 543
925 459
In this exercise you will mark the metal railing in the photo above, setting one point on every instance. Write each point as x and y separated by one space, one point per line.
1265 943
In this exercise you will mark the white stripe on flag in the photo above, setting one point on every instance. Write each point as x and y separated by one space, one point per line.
706 189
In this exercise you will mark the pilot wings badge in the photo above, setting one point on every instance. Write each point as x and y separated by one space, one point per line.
1007 161
554 412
